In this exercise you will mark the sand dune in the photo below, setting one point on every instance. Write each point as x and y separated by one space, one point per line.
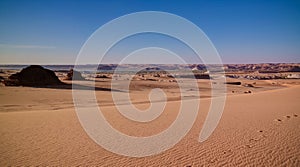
256 129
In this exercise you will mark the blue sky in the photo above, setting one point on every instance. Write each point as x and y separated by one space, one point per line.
52 32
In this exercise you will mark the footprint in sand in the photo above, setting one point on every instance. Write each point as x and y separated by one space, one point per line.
227 151
248 146
213 160
288 117
262 134
252 141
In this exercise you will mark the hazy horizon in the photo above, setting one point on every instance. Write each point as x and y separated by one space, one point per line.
143 64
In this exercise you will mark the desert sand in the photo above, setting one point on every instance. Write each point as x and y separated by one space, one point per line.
39 126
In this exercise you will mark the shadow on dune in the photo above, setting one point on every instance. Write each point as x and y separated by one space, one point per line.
76 87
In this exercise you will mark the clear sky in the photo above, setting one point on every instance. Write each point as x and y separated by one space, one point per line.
52 32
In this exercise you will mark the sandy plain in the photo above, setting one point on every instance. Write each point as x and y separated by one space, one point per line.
39 126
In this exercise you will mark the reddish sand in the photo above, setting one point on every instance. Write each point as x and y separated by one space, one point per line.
39 127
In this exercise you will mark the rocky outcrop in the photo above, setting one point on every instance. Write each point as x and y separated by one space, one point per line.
74 75
33 75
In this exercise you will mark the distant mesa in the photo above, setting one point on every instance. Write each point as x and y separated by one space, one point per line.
152 69
74 75
263 68
33 75
107 67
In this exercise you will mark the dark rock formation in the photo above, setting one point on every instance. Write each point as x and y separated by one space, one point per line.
74 75
249 91
196 76
170 76
101 76
33 75
233 83
156 75
248 85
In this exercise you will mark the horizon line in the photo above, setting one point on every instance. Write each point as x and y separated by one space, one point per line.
41 64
